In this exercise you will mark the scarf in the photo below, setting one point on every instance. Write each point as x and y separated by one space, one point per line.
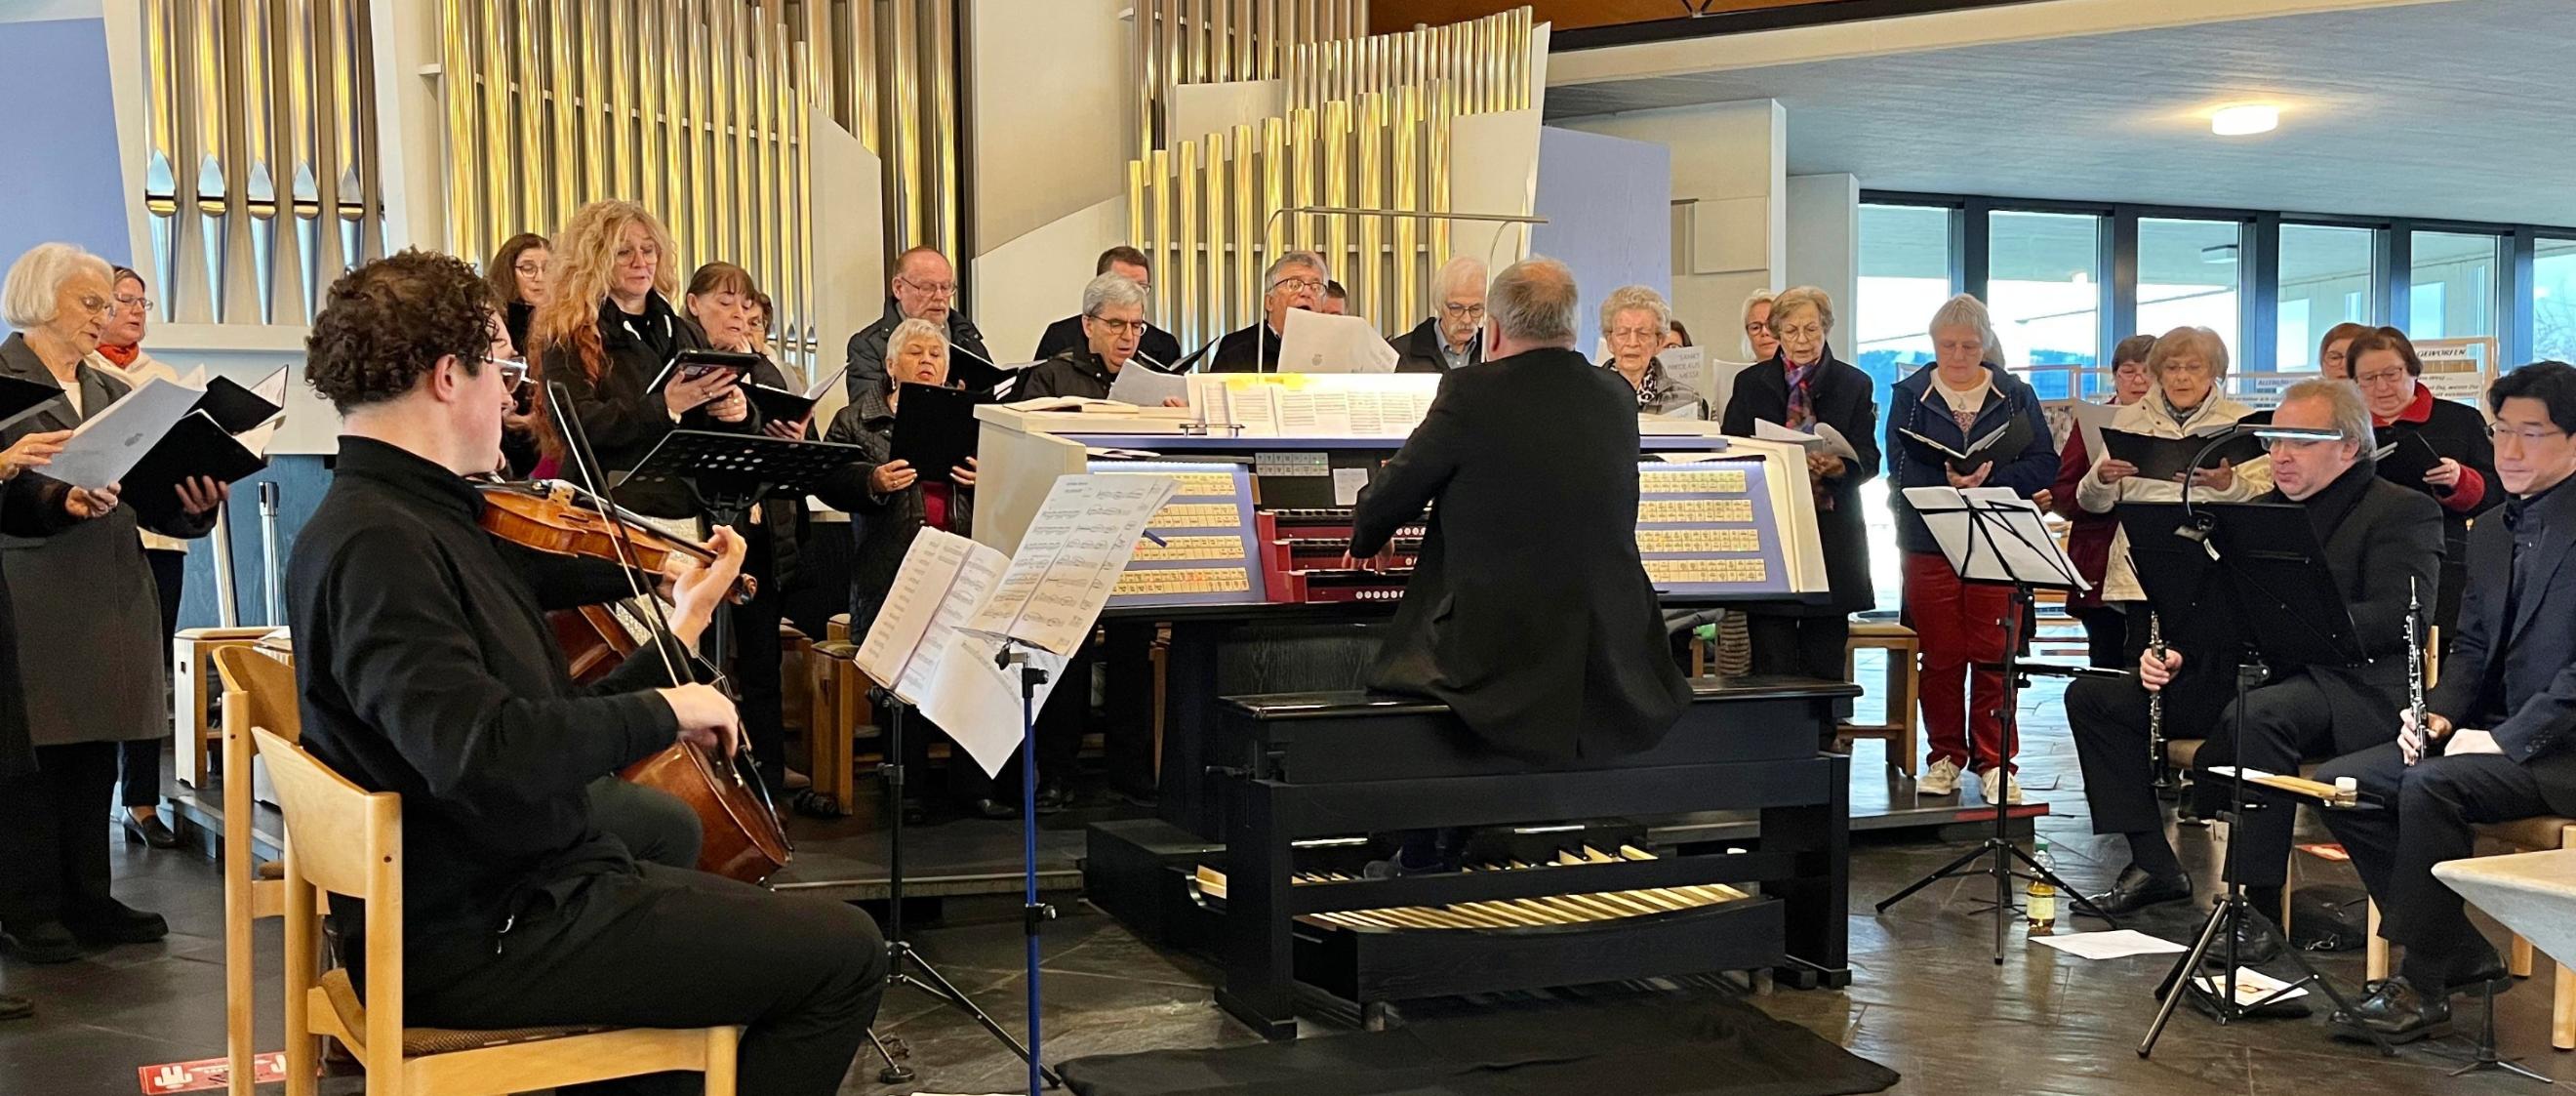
1802 404
122 356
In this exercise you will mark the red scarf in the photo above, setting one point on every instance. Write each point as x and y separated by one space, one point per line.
123 356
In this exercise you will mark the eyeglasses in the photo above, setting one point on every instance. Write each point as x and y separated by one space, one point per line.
144 303
1757 328
1302 285
2497 432
2380 376
931 289
97 306
1465 311
529 269
1810 331
513 373
1116 327
1632 334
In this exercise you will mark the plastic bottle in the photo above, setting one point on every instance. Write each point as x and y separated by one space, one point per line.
2039 900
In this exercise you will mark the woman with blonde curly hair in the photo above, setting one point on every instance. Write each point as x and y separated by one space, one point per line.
607 331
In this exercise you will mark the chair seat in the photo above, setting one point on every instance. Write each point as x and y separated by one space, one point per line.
270 869
2540 833
423 1042
1880 629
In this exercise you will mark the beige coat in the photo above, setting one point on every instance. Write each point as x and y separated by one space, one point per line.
2154 417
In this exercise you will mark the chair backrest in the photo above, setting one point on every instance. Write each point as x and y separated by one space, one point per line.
339 837
260 688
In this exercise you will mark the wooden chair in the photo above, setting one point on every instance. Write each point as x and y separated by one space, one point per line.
192 687
2541 834
343 839
259 691
839 695
1904 673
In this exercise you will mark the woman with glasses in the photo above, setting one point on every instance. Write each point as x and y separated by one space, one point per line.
91 649
517 275
2088 535
1634 321
2463 476
120 351
1800 387
1758 339
607 333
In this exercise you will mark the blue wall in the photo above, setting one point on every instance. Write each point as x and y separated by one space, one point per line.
60 175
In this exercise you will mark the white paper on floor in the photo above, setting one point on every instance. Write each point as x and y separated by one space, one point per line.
2116 944
2252 986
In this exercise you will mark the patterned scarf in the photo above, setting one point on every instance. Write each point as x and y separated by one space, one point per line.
1802 407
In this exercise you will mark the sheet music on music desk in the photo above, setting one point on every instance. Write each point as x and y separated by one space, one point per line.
2026 552
1070 559
943 580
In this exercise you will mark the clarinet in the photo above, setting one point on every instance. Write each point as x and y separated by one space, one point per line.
2156 708
2415 671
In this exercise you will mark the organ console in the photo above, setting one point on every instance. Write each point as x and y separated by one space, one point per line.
1239 631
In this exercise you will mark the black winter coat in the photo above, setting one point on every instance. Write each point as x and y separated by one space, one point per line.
623 415
1529 613
1841 397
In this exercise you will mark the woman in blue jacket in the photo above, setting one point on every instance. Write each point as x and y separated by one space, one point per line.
1958 400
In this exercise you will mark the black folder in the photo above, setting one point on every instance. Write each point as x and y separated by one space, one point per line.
235 408
20 398
2166 458
2404 458
934 429
693 364
2000 445
197 446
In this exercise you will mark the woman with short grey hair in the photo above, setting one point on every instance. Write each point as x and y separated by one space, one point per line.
1634 321
88 622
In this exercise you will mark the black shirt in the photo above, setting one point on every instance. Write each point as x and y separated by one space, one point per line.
2528 518
424 666
1078 373
1236 353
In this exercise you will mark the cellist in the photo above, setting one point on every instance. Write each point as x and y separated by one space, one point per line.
425 667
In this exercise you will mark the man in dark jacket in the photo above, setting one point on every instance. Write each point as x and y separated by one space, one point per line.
1160 349
1447 340
2383 544
924 287
1113 323
424 668
1529 612
1295 280
2500 723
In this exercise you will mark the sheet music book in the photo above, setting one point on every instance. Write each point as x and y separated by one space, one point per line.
2005 540
1146 387
109 444
694 364
2404 459
916 648
22 399
1826 439
2166 458
1070 559
1316 343
787 406
934 429
199 446
2000 445
237 407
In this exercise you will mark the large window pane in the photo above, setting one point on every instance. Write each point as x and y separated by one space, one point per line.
2452 288
2188 274
1905 262
2044 281
2553 301
2325 280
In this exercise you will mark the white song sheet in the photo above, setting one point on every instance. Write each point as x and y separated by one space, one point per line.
949 675
1070 560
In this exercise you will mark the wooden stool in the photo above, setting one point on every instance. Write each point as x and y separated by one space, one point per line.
2544 833
838 691
1903 673
342 839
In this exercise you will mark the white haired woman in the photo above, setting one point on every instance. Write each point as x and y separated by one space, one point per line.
1800 387
1758 339
1964 395
88 629
1634 321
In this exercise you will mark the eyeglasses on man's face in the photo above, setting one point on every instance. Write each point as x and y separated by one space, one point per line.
513 373
1117 327
2500 433
1300 285
930 289
1459 311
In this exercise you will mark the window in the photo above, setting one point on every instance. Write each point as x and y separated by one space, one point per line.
2044 286
2188 276
1905 263
2325 280
2553 300
2452 289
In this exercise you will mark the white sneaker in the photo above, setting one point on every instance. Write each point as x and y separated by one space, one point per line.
1942 778
2011 787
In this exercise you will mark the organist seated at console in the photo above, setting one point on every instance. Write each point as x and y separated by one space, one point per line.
1529 612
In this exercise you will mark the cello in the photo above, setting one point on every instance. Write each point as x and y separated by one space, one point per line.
743 838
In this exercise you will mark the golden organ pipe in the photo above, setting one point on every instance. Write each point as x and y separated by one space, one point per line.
1171 260
1407 134
1186 163
463 227
1365 279
1245 266
1220 147
675 107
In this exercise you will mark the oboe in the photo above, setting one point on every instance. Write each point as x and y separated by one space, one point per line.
2415 672
2156 707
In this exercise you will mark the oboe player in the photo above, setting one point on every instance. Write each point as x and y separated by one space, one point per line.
2496 741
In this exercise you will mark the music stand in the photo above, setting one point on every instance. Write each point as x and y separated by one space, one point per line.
2276 579
2164 541
1990 538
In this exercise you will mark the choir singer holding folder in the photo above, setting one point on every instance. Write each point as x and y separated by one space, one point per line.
88 628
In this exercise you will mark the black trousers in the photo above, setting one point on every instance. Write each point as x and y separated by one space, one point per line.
139 761
759 689
2106 637
53 841
656 827
670 948
1801 646
2394 850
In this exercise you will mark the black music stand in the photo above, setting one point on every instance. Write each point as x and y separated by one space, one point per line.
2276 579
2164 540
1993 542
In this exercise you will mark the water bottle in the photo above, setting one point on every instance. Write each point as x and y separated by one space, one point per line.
2039 901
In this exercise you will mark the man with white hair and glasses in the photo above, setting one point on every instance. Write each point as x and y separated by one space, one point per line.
1447 340
1295 280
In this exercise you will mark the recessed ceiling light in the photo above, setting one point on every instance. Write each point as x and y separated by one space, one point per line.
2245 119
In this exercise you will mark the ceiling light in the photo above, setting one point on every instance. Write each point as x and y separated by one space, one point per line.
2245 119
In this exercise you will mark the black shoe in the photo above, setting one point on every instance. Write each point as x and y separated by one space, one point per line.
2257 942
2395 1011
1052 798
117 923
150 831
16 1008
2135 890
43 942
996 810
